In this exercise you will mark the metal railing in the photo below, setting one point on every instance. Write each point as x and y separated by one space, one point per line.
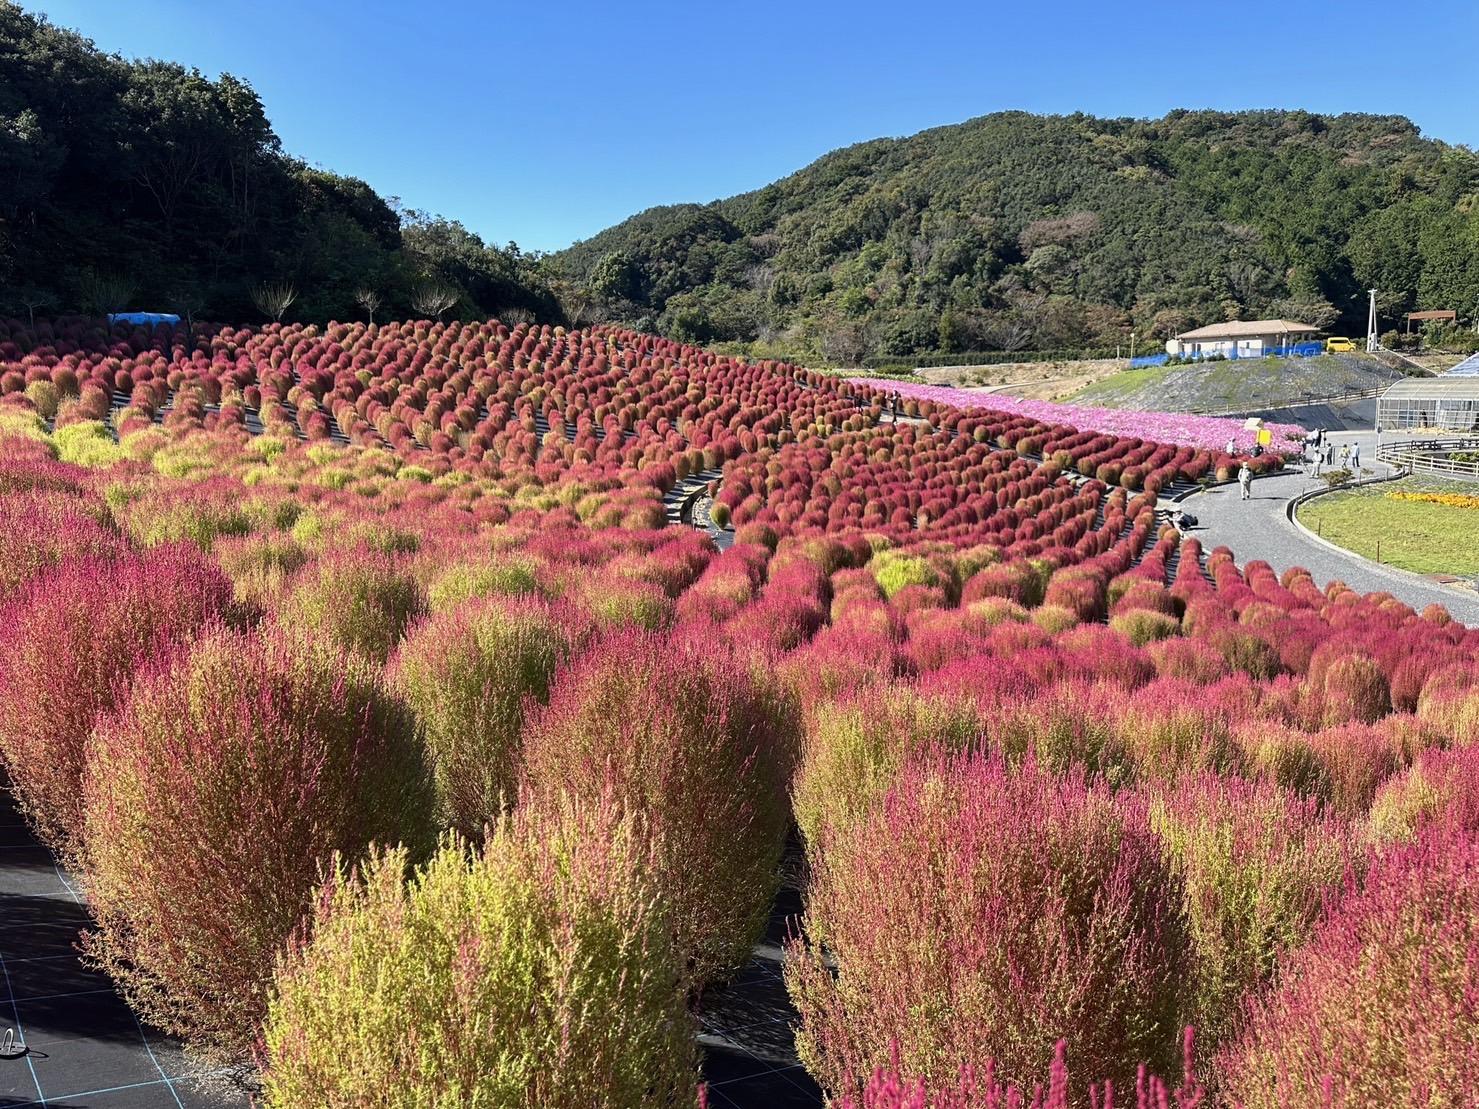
1431 456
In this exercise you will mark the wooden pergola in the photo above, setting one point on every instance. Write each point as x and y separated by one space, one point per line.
1446 315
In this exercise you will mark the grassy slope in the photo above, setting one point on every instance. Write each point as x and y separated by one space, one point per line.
1425 538
1251 383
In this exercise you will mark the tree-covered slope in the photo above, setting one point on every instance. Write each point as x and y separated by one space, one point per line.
146 184
1016 231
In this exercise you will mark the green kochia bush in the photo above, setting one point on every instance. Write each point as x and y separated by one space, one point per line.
678 730
214 796
539 971
1257 863
469 675
358 599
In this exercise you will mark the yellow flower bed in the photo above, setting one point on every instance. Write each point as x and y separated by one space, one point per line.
1452 500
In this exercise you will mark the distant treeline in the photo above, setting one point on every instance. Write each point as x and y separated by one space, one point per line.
146 185
1023 232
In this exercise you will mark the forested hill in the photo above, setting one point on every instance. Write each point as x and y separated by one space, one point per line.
1017 231
145 184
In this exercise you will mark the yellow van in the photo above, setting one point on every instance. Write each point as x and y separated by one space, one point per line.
1337 345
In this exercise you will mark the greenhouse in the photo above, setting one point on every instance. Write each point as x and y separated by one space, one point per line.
1447 403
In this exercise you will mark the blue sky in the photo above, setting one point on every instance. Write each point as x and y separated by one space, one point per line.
545 122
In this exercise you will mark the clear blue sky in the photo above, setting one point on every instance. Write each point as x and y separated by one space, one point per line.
545 122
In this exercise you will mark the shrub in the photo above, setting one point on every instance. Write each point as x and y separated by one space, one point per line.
214 795
1142 626
501 573
979 1087
1256 862
539 971
359 600
684 735
260 567
1354 689
69 643
979 912
40 528
469 675
1441 787
854 749
1378 1008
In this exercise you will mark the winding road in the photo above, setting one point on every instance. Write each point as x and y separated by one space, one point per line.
1260 528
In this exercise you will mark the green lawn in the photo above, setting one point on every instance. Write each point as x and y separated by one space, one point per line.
1424 538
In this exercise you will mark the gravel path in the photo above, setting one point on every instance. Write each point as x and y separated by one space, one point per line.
1260 529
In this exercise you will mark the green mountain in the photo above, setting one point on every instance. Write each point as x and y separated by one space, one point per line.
145 184
1016 231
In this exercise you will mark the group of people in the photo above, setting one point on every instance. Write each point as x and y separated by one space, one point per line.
1325 454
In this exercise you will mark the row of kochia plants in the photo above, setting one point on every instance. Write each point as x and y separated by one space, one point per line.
471 397
386 785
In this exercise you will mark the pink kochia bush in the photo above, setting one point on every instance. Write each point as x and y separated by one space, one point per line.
1381 1007
980 912
680 732
214 796
981 1089
69 643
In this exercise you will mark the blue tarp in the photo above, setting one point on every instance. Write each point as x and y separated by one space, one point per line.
1294 350
152 319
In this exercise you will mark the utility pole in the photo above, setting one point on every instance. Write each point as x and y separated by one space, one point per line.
1372 343
1132 346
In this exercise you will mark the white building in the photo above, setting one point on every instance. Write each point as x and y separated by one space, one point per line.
1239 338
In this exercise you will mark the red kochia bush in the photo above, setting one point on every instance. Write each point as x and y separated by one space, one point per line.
40 528
69 644
1381 1007
680 731
214 796
981 1089
978 912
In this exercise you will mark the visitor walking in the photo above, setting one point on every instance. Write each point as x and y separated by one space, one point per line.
1329 452
1355 456
1345 456
1245 481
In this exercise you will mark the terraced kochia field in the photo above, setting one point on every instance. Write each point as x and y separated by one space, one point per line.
409 747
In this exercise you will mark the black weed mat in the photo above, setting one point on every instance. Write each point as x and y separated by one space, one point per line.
85 1046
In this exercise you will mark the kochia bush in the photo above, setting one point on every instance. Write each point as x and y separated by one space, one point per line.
679 731
469 675
1256 863
982 912
539 971
854 748
1379 1007
69 644
359 600
214 796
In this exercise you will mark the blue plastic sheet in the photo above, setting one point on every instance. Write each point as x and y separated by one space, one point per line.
151 319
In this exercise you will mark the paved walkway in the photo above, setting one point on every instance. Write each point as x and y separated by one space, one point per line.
1260 529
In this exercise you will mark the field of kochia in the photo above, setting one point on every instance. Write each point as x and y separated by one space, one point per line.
406 757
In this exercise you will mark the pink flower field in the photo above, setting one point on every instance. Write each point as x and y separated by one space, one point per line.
1177 428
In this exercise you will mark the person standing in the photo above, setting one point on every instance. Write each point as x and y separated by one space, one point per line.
1345 455
1356 456
1245 481
1232 445
1329 452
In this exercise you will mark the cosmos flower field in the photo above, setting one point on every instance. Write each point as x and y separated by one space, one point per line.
406 754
